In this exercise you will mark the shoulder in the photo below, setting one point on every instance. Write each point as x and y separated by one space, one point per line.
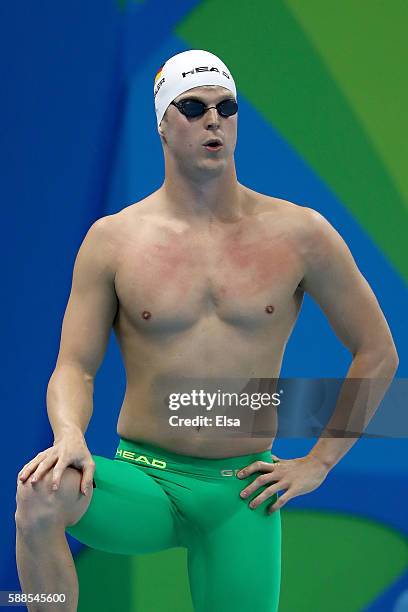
302 222
319 241
111 229
102 242
309 227
101 234
310 234
130 218
301 216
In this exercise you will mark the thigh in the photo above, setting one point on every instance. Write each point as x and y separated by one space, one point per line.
237 566
129 512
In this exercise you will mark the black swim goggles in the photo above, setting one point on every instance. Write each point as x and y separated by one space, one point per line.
195 108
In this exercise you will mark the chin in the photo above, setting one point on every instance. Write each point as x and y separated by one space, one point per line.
213 169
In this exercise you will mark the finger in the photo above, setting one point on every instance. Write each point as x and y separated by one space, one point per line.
57 473
29 467
43 467
257 466
275 458
86 483
267 493
282 500
26 469
262 480
242 473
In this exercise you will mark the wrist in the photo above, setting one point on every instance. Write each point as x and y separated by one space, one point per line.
325 465
68 431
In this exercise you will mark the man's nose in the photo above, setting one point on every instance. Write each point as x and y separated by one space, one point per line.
212 116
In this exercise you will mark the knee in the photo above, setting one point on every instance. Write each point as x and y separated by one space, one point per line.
38 506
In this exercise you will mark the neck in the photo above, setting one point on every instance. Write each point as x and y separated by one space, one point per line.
203 197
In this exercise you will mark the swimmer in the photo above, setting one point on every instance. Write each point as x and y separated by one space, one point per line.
203 279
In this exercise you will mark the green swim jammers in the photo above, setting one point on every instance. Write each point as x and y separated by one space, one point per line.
148 499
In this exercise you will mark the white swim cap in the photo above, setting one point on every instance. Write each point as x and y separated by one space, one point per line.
185 70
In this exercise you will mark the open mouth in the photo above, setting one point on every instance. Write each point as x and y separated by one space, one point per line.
213 146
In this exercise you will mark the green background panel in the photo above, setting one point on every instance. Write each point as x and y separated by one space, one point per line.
284 76
363 45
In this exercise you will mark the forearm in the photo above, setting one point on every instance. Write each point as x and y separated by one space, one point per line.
69 400
367 381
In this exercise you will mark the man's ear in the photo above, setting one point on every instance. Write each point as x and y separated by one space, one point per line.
161 133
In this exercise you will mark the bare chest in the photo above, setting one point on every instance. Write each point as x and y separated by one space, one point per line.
171 279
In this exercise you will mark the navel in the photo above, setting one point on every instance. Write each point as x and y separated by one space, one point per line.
269 309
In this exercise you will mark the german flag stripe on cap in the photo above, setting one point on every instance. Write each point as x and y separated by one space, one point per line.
158 73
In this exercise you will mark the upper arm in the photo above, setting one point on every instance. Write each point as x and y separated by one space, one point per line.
92 303
334 281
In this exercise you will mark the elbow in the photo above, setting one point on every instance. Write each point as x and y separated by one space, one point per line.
391 357
65 369
394 359
389 362
384 361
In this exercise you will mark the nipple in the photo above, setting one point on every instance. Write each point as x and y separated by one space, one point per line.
146 314
269 309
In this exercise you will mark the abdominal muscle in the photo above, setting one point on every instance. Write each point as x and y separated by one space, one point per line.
145 411
197 443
